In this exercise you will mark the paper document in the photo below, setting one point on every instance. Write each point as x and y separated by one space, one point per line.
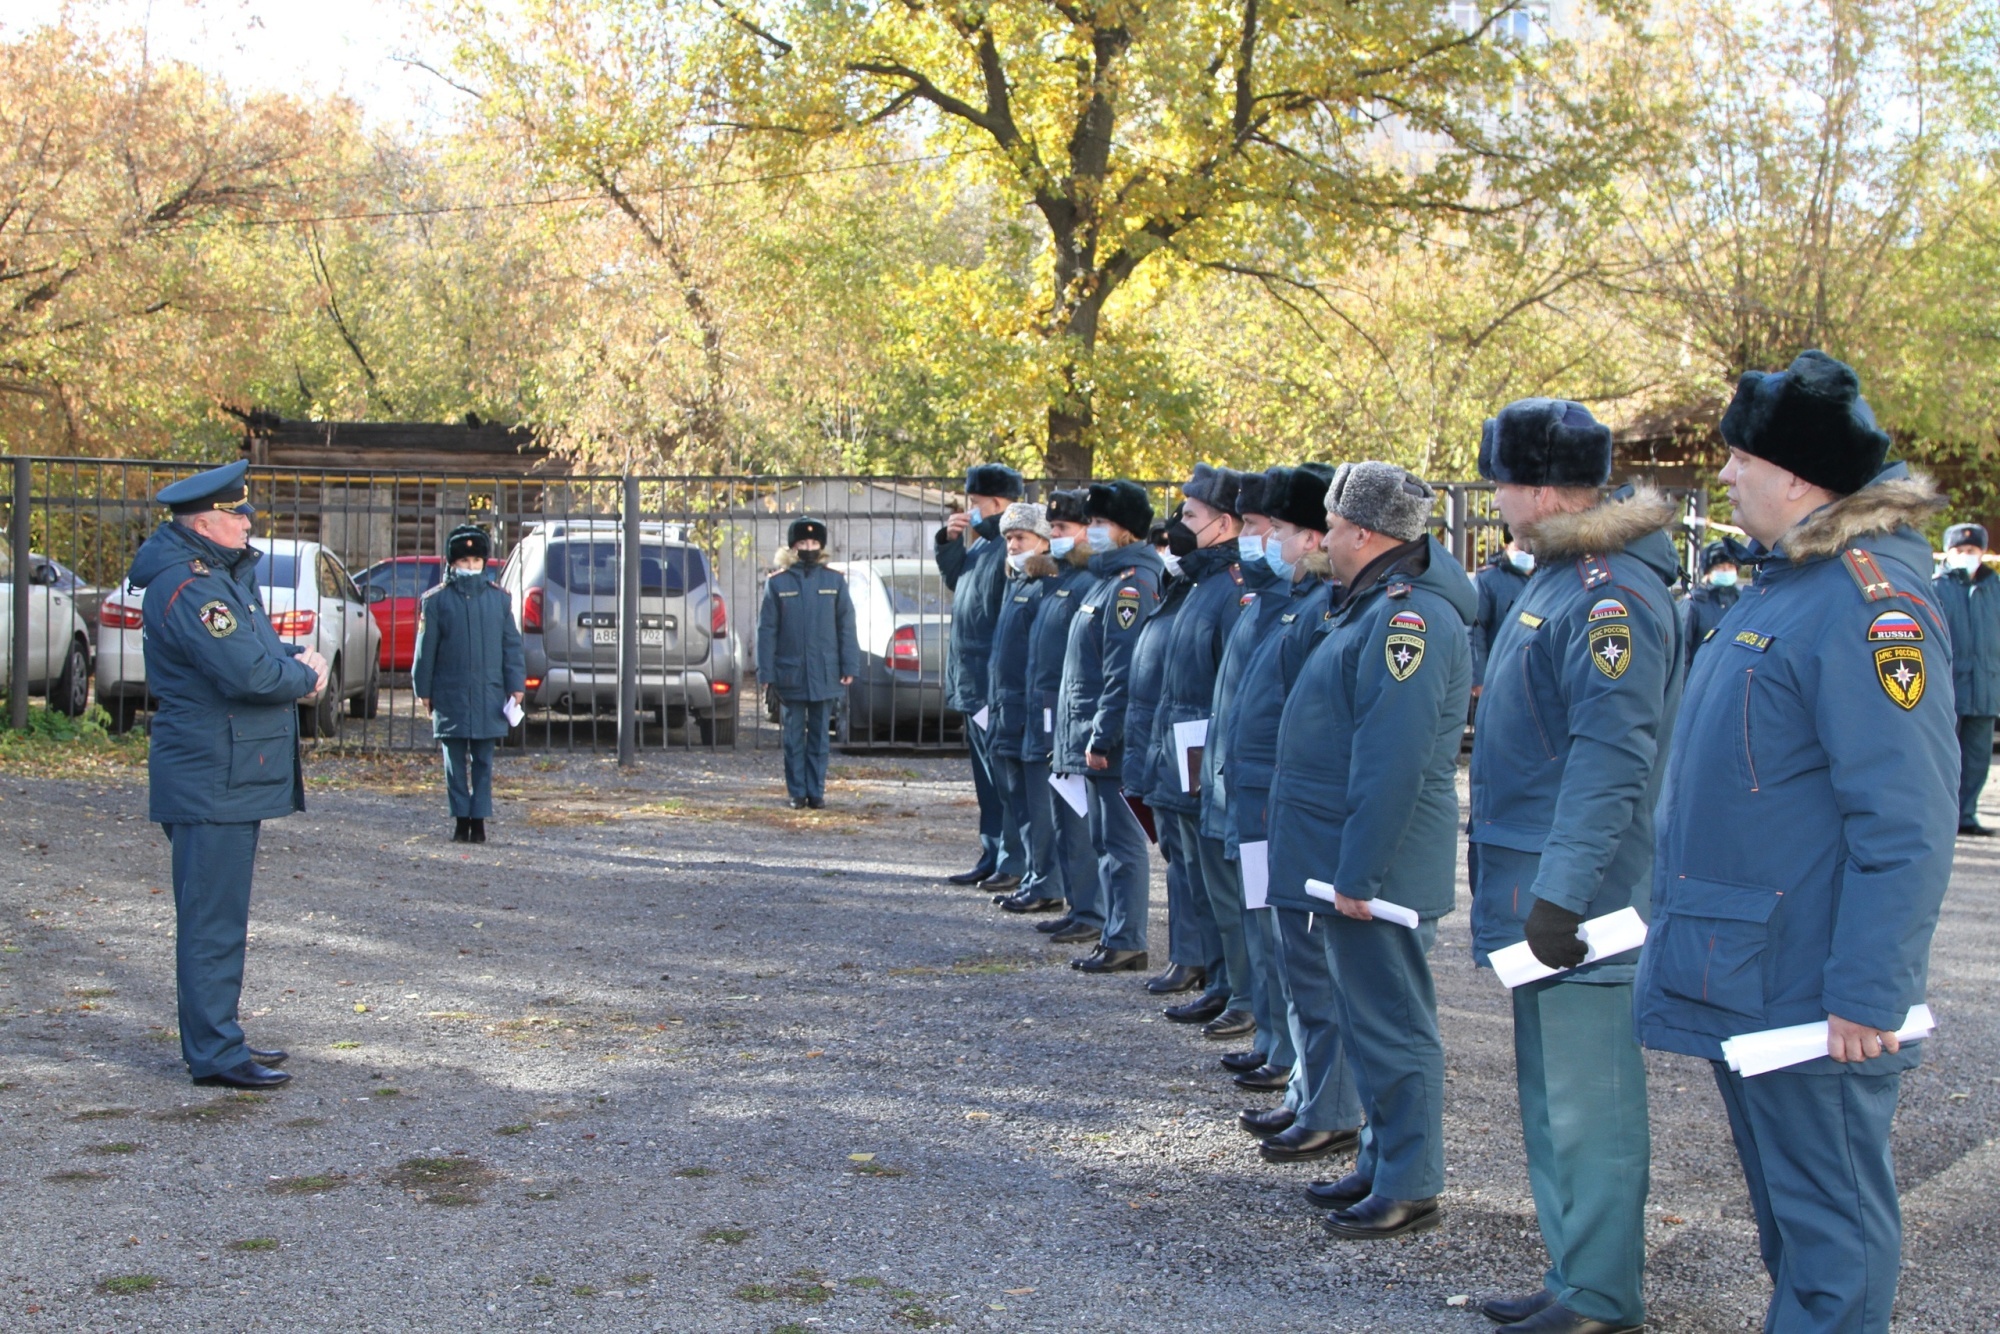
981 717
1048 720
1613 933
1071 788
512 712
1382 908
1256 865
1776 1048
1189 739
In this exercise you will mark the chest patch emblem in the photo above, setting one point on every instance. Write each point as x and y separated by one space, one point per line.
1611 649
1404 653
218 620
197 566
1605 609
1895 626
1126 609
1529 619
1751 640
1900 669
1408 620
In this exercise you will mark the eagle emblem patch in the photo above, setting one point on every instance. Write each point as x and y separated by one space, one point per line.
217 619
1611 649
1895 626
1405 653
1126 609
1900 669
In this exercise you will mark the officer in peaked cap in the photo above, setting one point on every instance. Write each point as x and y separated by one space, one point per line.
224 754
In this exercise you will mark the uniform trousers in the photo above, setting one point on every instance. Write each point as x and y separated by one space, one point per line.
1328 1095
807 746
1388 1011
1074 852
212 869
999 843
1124 868
1815 1152
1975 758
1222 885
1270 997
1029 781
1191 938
1583 1118
468 776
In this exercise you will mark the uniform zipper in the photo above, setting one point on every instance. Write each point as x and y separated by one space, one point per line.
1749 678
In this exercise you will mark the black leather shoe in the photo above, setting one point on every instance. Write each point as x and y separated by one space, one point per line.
1112 961
1555 1318
1295 1144
1018 904
972 877
273 1057
1237 1062
461 830
1076 933
1000 884
1197 1011
1265 1078
1345 1193
1177 978
817 803
248 1075
1507 1310
1063 923
797 803
1974 829
1378 1216
479 831
1229 1024
1262 1121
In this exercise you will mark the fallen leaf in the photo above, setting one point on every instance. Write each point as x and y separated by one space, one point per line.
1674 1219
811 1054
1460 1300
1017 1292
360 1008
860 1157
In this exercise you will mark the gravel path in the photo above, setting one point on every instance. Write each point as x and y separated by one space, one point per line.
667 1055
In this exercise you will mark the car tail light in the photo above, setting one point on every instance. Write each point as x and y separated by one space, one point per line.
531 611
903 650
719 687
718 615
121 616
534 683
288 623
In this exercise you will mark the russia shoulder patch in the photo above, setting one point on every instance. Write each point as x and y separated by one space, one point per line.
1606 608
1126 608
1897 626
1408 620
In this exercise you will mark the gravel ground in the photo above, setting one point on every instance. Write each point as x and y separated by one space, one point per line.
667 1055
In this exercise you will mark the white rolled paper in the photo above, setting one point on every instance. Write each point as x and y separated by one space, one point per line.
1381 908
1775 1048
1613 933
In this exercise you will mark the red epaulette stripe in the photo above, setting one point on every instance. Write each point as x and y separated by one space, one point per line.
1867 575
177 592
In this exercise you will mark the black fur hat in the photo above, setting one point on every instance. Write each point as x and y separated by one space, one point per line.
1252 489
1810 420
1302 503
1218 488
1068 507
467 540
1123 503
804 529
993 479
1545 442
1722 551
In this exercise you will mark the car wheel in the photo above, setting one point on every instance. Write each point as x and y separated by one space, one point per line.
369 702
717 730
71 692
124 711
322 717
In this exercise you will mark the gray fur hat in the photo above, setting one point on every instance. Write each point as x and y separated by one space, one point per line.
1025 516
1382 498
1959 534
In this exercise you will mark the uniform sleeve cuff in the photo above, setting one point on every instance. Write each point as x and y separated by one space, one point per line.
1859 1012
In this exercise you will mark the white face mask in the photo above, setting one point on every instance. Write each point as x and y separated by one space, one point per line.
1173 562
1018 560
1061 546
1524 561
1099 536
1967 561
1722 579
1250 547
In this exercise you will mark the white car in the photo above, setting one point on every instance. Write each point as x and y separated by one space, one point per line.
58 639
311 602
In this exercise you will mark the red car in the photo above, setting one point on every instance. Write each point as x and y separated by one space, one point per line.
392 588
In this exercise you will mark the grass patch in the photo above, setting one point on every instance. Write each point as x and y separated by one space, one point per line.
229 1107
115 1147
541 1281
638 1278
303 1123
583 1290
872 1169
518 1128
918 1317
254 1244
540 1195
985 967
316 1184
386 1093
103 1114
758 1292
58 746
864 1281
347 1045
76 1177
692 1172
727 1236
447 1181
920 970
129 1285
92 993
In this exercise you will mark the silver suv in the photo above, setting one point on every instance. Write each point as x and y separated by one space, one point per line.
563 578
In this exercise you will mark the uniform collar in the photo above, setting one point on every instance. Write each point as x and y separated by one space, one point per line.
1409 557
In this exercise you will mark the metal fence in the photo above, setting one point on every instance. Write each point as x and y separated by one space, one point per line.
635 589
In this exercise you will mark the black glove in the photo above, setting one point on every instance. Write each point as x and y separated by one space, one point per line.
1552 935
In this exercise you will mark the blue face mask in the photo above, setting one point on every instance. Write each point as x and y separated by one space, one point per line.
1274 556
1722 579
1250 547
1099 536
1061 546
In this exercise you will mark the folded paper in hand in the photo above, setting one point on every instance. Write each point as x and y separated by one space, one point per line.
980 717
1775 1048
1256 863
1189 739
1048 720
1613 933
1381 908
1071 788
512 712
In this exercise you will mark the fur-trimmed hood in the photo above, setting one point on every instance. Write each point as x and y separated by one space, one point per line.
1605 529
1041 565
788 557
1899 497
1313 565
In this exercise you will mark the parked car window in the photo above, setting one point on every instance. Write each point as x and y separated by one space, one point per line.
278 569
591 568
329 578
404 578
916 595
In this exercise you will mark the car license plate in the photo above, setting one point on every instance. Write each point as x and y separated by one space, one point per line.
647 638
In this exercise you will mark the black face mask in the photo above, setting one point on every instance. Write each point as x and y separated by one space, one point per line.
811 557
1181 539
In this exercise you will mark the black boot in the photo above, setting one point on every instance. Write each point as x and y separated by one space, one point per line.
478 830
461 830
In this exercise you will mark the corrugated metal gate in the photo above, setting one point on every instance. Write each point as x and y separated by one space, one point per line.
653 584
